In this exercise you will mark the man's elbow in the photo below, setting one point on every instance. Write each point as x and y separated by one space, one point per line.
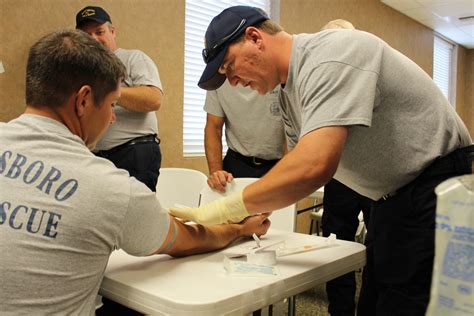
320 174
154 103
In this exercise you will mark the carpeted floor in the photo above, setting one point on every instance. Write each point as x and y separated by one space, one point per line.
313 302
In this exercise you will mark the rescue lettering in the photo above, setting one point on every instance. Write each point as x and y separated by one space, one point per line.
29 219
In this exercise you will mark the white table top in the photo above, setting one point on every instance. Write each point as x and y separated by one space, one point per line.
199 285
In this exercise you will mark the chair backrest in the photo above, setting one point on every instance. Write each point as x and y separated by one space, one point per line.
283 219
180 186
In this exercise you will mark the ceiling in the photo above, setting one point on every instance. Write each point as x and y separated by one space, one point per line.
443 16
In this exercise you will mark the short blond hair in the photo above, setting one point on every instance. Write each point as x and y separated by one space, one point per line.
338 24
267 26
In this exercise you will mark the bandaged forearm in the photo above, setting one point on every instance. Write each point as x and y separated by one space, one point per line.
229 209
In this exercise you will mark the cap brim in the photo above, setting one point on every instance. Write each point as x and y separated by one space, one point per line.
211 79
91 19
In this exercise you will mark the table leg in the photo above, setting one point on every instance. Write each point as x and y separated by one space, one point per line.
292 306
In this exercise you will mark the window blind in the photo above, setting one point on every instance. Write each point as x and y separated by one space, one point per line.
443 66
198 15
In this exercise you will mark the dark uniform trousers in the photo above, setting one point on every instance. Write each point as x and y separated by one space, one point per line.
400 242
246 167
141 157
342 206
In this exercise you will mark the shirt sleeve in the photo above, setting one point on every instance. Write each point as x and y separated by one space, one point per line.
212 104
337 94
338 82
146 223
143 71
291 135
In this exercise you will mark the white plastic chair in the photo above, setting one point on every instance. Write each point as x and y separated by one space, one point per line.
180 186
283 219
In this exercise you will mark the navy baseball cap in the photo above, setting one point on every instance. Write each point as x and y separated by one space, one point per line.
222 30
91 13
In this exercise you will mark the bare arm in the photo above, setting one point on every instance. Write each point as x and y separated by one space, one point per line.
218 178
184 239
310 165
141 98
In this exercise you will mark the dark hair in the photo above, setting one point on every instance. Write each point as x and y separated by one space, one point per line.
60 63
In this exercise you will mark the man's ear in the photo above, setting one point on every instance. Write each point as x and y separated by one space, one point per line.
113 30
254 35
84 100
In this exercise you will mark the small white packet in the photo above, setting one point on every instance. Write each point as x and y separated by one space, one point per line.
328 242
242 268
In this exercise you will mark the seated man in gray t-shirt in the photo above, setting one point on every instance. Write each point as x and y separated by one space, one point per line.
62 209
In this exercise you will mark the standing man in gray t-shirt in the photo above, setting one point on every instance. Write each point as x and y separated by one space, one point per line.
132 143
342 206
253 131
357 110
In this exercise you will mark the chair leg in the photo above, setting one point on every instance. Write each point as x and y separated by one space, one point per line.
318 228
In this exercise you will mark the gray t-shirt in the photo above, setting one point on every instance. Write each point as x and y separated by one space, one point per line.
141 71
397 118
253 123
62 212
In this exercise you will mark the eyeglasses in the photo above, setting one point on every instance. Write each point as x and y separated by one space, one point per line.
209 53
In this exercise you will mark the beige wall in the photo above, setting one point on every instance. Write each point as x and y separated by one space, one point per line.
157 28
401 32
154 26
406 35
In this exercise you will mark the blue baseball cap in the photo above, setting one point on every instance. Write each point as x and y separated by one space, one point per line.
223 29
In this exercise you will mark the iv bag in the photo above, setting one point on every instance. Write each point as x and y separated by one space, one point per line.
452 287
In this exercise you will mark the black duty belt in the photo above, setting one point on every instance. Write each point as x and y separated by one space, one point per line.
253 161
138 140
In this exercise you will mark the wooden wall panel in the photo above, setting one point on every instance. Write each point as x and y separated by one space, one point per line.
401 32
465 87
411 38
153 26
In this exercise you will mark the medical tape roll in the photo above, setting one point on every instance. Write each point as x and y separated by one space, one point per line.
263 258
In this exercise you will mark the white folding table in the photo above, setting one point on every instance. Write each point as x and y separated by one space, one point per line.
199 285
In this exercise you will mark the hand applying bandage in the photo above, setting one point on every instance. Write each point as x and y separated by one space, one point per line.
229 209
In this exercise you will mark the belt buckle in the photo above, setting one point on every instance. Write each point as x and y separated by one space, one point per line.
255 162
